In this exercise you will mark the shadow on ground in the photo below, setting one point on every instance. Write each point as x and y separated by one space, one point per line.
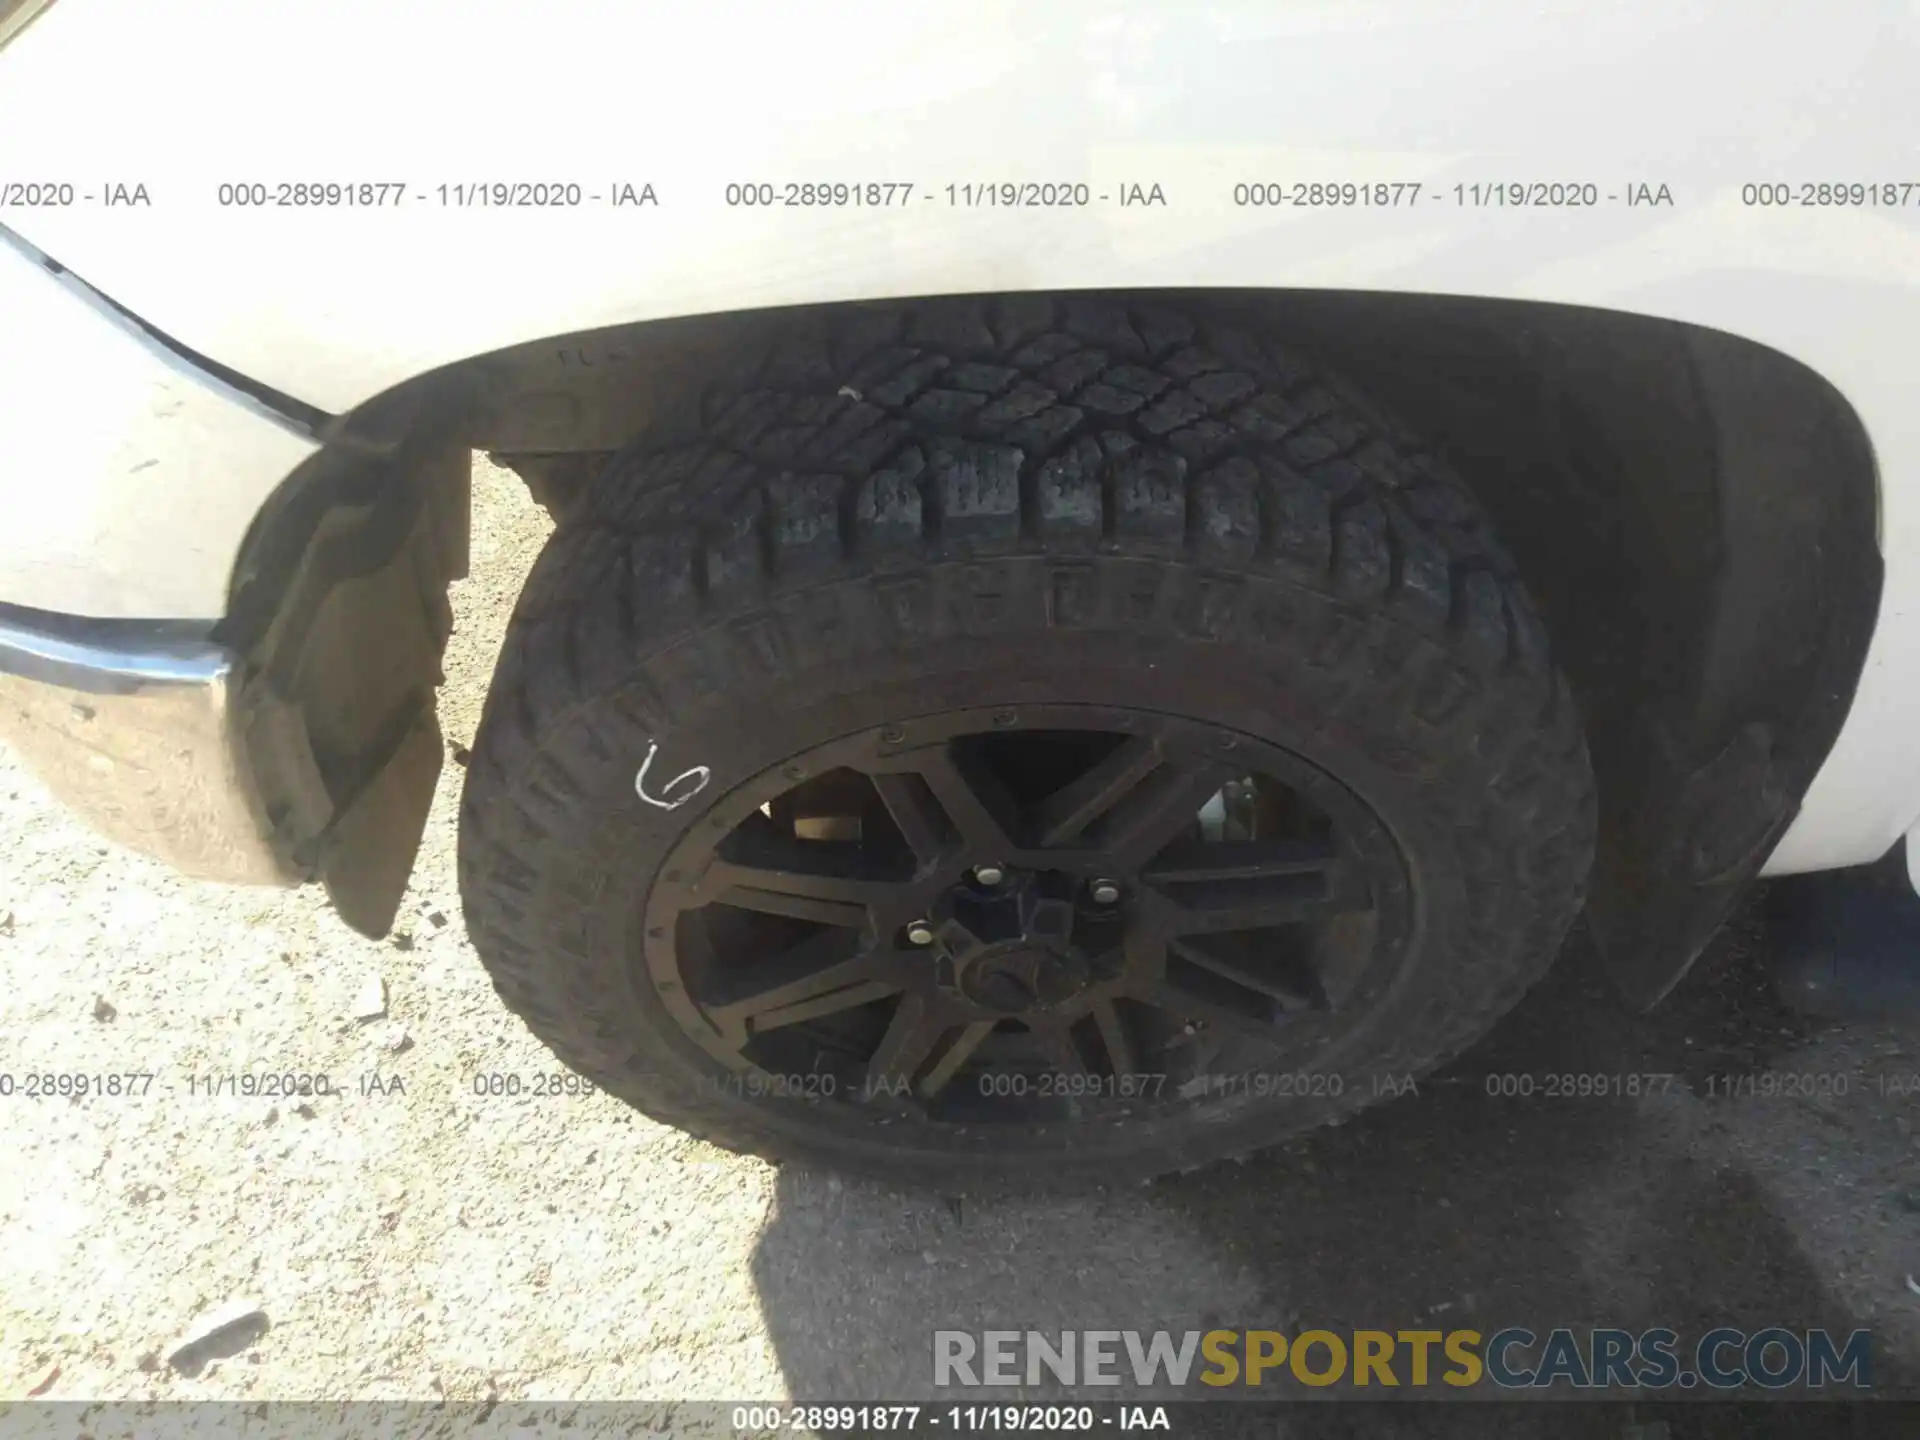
1449 1209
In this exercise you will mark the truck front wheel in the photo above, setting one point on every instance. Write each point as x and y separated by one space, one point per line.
1022 741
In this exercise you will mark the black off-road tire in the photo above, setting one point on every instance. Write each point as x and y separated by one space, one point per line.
1007 502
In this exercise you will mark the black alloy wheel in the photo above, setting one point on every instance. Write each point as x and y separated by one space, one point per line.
1027 916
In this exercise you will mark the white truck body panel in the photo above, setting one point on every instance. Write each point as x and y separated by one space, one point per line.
128 480
332 306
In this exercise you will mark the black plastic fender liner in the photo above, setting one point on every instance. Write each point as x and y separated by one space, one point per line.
1710 780
1696 515
337 707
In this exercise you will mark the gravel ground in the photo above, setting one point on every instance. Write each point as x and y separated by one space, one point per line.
408 1238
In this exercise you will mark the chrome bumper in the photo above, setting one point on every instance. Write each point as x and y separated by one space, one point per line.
128 723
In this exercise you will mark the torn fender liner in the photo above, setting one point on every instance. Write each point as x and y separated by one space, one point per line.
372 846
340 722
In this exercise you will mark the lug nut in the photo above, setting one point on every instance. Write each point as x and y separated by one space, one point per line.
989 874
920 933
1105 892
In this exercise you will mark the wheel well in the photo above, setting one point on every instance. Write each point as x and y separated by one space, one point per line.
1694 513
1697 517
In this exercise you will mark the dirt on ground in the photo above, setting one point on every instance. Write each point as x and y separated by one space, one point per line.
414 1235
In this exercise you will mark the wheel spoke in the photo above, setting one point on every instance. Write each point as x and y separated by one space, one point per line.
916 813
1122 1055
1143 959
973 800
962 1045
1256 1020
911 1052
828 882
1062 1052
1061 1049
1151 814
817 977
1288 993
1217 906
796 895
910 1036
1065 814
1242 860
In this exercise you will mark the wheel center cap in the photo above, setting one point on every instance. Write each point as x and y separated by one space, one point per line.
1010 947
1017 980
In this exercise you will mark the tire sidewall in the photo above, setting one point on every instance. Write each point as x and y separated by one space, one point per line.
1437 788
